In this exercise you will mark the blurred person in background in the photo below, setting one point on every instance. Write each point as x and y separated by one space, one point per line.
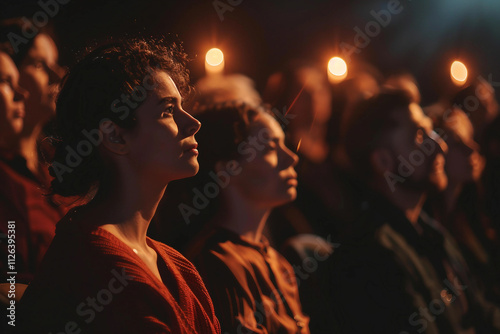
479 103
12 113
40 74
397 268
490 182
459 206
246 170
12 101
26 200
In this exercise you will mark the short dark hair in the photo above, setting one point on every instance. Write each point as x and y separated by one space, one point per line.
371 121
225 126
88 96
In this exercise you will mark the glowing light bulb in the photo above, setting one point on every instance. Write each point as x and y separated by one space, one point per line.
214 61
458 73
337 70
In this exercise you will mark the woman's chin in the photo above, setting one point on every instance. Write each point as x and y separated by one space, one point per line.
191 169
292 193
17 126
289 196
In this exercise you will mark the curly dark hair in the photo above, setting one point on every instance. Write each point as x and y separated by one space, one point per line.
91 93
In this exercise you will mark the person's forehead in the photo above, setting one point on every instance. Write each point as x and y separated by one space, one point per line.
265 121
44 47
165 86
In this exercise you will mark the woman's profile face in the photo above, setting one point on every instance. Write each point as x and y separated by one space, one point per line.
162 144
268 178
11 98
40 74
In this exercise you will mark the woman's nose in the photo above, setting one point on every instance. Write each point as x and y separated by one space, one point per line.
192 125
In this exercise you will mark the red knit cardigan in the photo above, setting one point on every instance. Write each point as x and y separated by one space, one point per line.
91 281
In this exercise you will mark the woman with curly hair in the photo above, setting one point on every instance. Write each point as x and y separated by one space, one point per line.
122 137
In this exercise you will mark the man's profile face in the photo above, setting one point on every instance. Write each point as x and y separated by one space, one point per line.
417 151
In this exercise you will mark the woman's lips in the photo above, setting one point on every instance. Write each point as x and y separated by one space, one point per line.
192 149
291 180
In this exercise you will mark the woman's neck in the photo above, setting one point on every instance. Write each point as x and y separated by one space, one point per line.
126 207
242 217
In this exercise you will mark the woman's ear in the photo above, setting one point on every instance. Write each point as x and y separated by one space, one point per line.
113 138
382 161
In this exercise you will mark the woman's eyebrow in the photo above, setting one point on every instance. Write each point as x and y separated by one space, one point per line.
168 99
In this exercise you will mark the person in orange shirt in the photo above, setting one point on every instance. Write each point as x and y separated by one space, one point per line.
247 170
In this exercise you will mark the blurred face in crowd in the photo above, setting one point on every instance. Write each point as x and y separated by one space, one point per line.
487 110
418 151
269 178
40 74
463 161
11 98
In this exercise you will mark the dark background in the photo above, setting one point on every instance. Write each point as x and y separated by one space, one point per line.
260 36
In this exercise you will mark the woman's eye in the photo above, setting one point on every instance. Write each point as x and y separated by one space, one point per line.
269 148
7 81
169 111
39 65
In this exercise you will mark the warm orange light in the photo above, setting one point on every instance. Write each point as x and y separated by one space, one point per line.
214 57
298 145
337 70
458 72
214 61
